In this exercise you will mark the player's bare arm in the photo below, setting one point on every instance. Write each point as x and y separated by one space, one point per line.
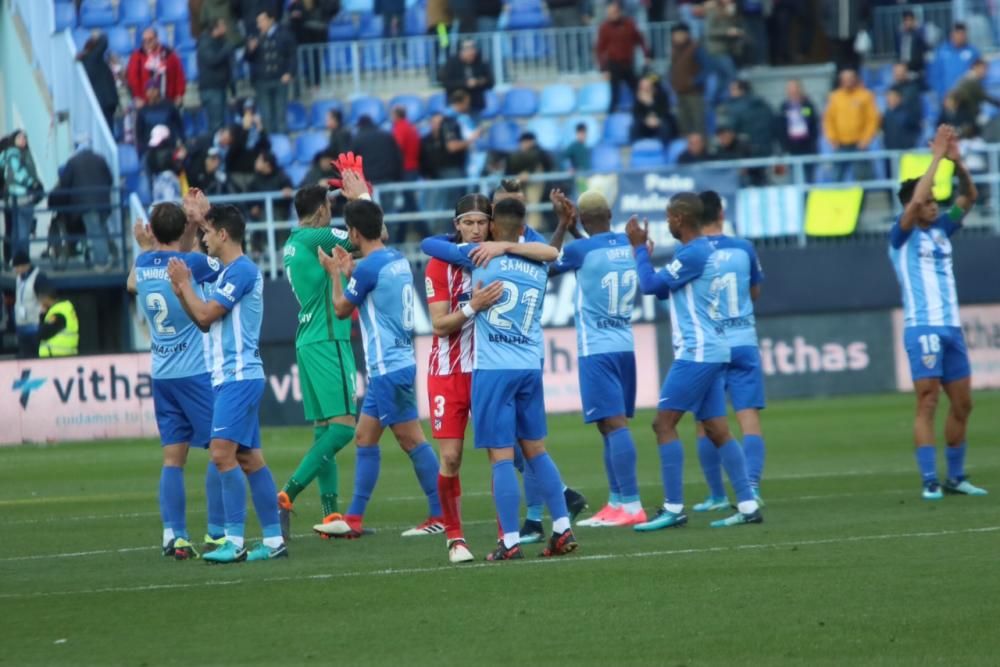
202 313
144 239
566 213
538 252
924 190
340 264
446 323
967 192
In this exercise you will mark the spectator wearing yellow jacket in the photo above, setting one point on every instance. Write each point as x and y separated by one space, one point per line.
851 120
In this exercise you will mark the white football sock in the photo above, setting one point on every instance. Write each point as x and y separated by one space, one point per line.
747 506
560 526
676 508
511 540
273 542
168 534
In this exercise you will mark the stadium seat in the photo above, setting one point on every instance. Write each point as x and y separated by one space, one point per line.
594 98
548 133
319 109
371 27
558 99
195 121
189 59
617 129
135 13
65 17
296 117
520 103
436 103
503 136
492 108
296 172
368 106
674 150
183 39
120 41
358 6
415 21
993 72
605 158
342 28
413 104
648 153
281 146
308 144
171 11
626 100
593 130
97 14
128 159
528 19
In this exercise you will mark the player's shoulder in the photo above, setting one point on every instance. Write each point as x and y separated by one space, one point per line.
155 258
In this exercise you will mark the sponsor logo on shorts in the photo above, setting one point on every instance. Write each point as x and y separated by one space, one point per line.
929 360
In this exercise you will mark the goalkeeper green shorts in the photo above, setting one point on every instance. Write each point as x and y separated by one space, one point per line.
327 379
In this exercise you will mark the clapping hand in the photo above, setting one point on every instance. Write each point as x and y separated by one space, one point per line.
637 236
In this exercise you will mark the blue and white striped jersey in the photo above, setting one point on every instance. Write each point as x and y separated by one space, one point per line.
740 270
922 259
235 338
382 289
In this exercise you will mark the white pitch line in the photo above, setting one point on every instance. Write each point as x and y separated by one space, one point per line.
476 566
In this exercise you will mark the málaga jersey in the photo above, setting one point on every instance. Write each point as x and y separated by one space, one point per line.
178 347
606 287
311 284
922 259
382 289
234 340
739 270
690 282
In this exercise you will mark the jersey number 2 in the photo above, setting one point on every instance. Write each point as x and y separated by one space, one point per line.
509 302
156 303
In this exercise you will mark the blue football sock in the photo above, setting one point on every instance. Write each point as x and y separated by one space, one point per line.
956 462
753 450
234 500
265 501
532 494
425 464
213 496
736 469
614 491
927 463
506 495
366 469
172 506
550 485
623 459
672 472
711 466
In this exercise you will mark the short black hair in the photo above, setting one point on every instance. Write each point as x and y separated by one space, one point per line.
906 189
270 159
958 25
509 185
908 14
167 220
509 214
458 96
399 111
337 115
688 205
711 204
743 85
680 27
581 127
228 218
310 199
364 216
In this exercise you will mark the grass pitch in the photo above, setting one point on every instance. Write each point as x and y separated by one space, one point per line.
851 567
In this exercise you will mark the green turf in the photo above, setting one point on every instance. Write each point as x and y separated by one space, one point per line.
851 566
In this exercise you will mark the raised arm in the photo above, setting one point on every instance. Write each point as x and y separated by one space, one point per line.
144 239
650 282
967 192
939 146
566 213
202 313
443 248
341 264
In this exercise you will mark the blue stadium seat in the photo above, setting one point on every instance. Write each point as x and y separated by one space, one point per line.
594 98
342 28
557 99
97 14
605 158
371 27
593 130
296 172
413 104
492 108
296 117
647 153
993 72
319 109
617 129
281 146
415 55
528 19
65 17
195 121
183 39
368 106
674 150
528 45
120 41
503 136
172 11
308 144
547 131
436 103
189 60
358 6
128 159
135 13
415 21
520 103
626 100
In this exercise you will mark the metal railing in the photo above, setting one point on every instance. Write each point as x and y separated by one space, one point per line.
982 18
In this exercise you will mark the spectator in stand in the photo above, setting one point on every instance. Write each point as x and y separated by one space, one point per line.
577 154
695 152
488 15
911 47
851 120
308 21
951 60
247 12
460 136
755 30
726 37
22 188
464 13
438 19
791 26
320 170
728 145
158 64
214 10
27 309
908 86
688 69
272 61
87 181
617 40
751 117
798 124
340 136
164 162
209 176
156 111
249 140
469 72
969 95
215 73
951 114
841 21
900 127
651 117
269 177
434 158
392 12
528 159
92 57
382 156
569 13
408 140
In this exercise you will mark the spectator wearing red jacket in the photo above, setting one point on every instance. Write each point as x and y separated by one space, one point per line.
617 41
156 63
408 139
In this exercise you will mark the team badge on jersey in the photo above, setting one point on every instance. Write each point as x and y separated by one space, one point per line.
929 360
429 287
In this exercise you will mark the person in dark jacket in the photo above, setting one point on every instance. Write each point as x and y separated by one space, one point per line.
383 159
392 13
22 188
797 124
651 117
272 63
156 111
320 170
689 67
92 57
900 127
247 11
208 174
340 136
751 117
215 73
909 86
269 177
911 47
468 71
87 180
308 20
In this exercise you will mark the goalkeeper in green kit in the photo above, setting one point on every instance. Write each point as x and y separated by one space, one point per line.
322 343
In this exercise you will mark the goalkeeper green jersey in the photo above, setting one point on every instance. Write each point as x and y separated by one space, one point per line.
311 284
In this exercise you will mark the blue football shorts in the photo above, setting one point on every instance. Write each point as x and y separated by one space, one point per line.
183 408
237 412
392 398
937 352
695 387
607 385
507 406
